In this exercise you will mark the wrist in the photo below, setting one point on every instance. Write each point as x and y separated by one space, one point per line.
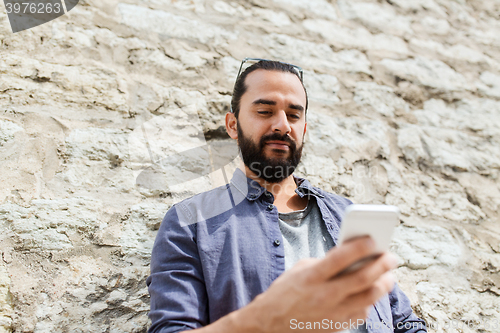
249 319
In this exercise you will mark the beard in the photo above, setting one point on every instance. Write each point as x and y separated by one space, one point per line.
272 170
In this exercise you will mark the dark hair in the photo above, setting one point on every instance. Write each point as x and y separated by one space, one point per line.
240 88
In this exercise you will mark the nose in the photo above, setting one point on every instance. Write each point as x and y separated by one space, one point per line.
281 124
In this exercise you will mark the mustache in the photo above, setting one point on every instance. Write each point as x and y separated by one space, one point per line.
277 137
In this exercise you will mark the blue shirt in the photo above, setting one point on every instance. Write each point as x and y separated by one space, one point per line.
215 252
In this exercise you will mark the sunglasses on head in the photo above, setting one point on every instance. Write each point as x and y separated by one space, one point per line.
247 62
251 61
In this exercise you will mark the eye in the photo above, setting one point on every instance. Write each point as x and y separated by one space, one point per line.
294 116
264 112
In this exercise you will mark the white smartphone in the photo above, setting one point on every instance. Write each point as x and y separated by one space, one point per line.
376 221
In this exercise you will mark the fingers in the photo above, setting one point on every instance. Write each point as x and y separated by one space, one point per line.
365 277
370 296
360 315
305 263
343 256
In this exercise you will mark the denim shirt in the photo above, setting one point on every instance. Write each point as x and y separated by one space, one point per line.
216 251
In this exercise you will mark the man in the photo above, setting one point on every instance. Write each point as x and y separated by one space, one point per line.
228 260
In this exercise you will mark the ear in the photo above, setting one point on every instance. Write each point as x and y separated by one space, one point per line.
231 125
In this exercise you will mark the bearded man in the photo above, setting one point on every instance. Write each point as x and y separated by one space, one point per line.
259 254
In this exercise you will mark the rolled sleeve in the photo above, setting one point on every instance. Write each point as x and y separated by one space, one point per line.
176 284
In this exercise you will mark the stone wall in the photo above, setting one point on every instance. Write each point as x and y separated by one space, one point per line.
404 110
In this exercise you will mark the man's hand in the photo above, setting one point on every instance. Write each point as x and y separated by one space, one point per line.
311 291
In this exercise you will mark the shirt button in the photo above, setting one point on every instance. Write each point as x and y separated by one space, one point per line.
270 207
276 242
268 194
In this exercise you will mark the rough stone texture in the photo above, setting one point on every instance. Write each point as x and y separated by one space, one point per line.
381 98
429 73
489 84
5 301
360 38
377 17
105 115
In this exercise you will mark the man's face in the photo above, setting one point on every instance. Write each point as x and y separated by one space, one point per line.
271 124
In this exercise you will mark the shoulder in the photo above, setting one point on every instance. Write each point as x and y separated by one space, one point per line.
334 198
207 205
332 205
179 222
335 203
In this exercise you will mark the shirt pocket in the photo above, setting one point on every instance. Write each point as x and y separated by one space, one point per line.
235 247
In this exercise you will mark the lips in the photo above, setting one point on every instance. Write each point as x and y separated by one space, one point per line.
282 145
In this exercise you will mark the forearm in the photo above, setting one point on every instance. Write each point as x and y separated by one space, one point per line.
310 291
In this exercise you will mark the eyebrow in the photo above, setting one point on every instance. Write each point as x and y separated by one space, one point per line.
270 102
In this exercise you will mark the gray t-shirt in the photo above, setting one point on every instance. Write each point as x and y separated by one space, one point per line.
305 236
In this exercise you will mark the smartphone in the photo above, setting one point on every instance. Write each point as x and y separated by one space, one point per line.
376 221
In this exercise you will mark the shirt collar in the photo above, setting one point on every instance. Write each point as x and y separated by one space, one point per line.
305 188
252 189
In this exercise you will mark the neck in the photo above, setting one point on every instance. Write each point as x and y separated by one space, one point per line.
285 198
285 187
